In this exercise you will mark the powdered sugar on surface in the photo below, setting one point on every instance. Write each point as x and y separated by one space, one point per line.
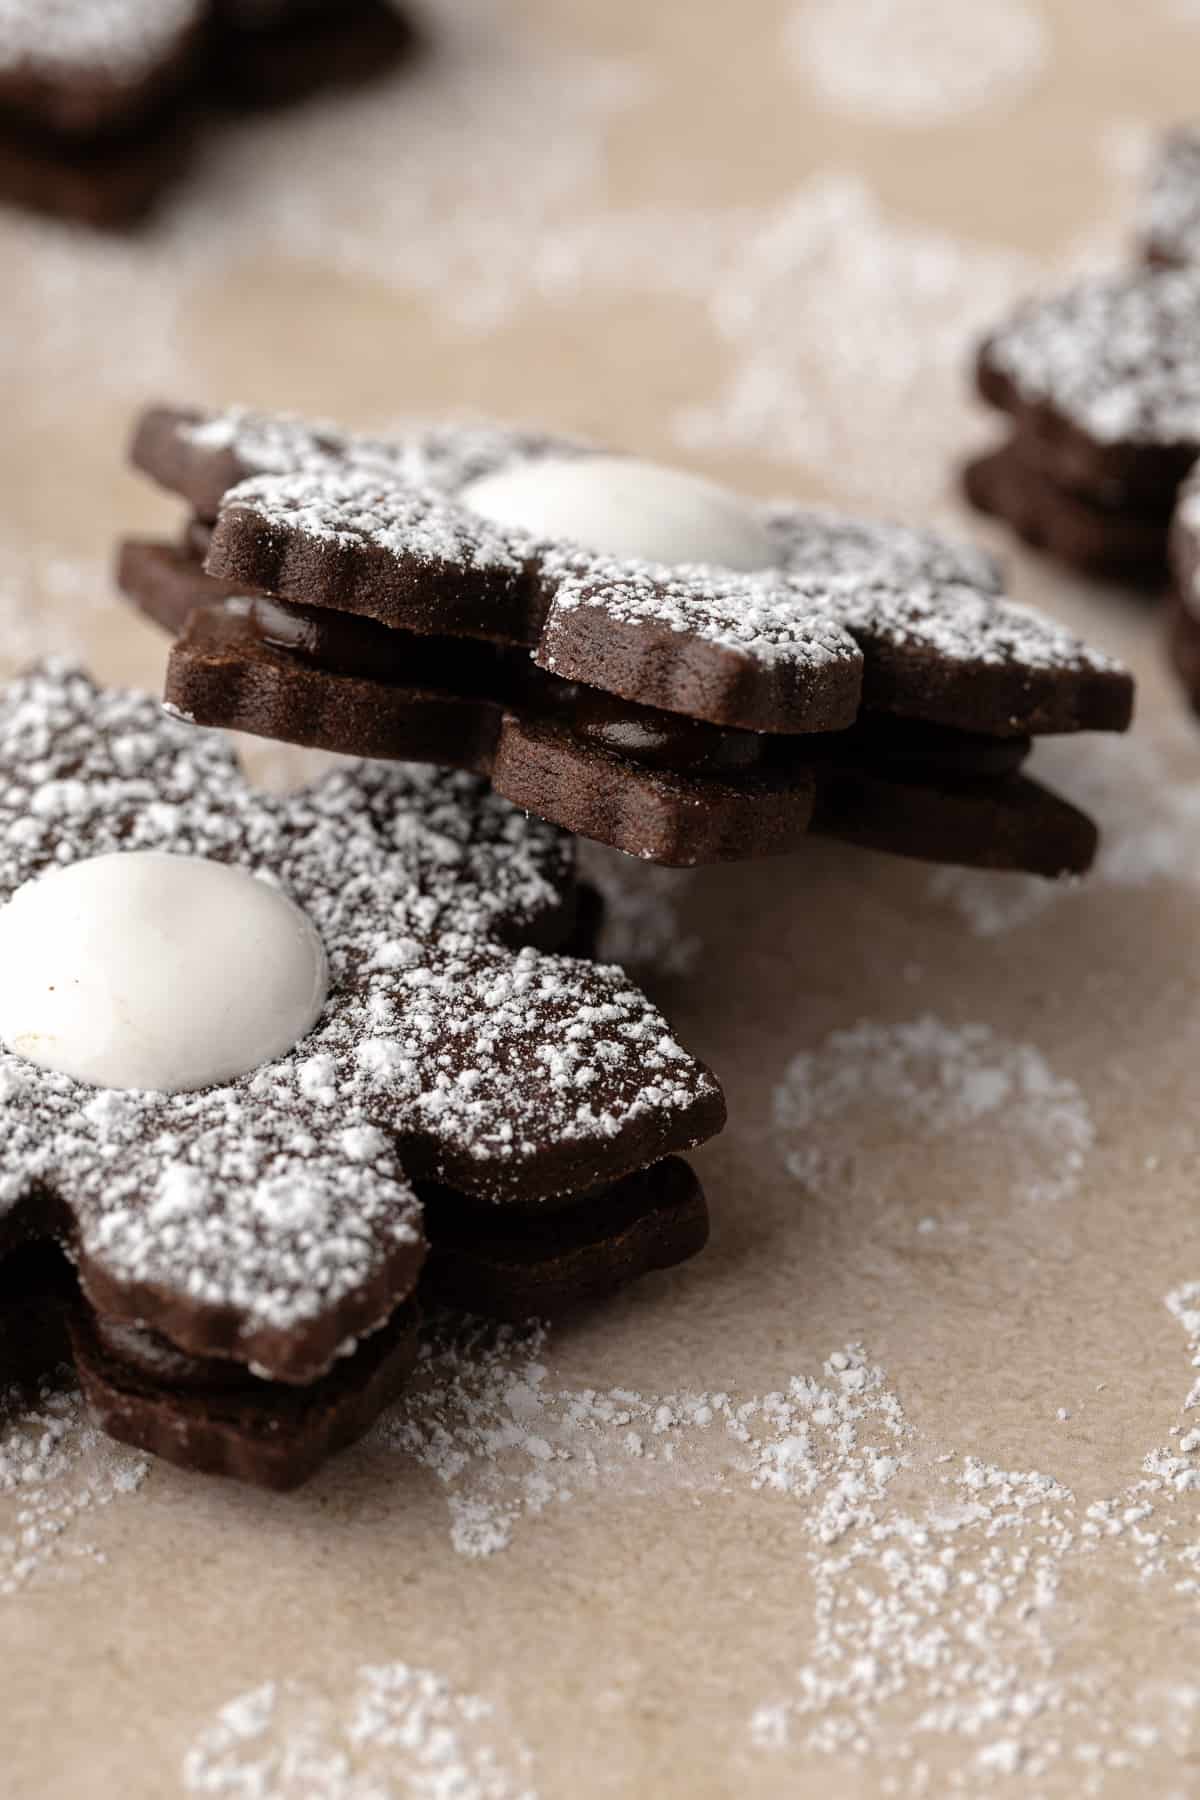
484 1416
916 62
56 1472
936 1589
958 1616
852 1114
399 1733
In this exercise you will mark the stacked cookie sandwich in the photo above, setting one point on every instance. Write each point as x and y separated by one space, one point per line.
627 651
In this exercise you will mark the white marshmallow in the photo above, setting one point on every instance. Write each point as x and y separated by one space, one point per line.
144 970
625 508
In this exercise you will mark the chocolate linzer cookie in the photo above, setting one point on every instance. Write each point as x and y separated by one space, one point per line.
100 99
1102 384
681 711
1098 539
241 1033
1169 223
648 782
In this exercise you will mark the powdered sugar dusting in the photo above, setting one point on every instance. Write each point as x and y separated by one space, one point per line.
484 1416
916 62
348 507
56 1472
958 1617
835 315
401 1733
934 1622
852 1114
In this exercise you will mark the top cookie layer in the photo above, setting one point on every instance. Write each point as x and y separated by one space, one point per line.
848 611
1115 358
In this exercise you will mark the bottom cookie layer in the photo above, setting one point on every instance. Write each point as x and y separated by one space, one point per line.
519 1266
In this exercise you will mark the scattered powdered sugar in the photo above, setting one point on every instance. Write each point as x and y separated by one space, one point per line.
443 183
916 62
120 39
1144 793
56 1471
401 1733
936 1615
951 1625
837 317
851 1115
483 1415
1117 355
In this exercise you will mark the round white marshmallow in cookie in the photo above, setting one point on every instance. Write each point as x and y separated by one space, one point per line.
621 507
146 970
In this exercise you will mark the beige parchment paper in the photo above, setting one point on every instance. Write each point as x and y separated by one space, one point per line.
893 1492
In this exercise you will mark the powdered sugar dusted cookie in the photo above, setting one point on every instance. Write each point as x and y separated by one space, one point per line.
257 1203
684 694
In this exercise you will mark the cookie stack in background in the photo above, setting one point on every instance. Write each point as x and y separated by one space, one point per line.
630 652
1102 388
99 104
1101 385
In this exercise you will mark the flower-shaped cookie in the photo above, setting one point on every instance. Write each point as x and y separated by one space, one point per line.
271 1218
821 617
